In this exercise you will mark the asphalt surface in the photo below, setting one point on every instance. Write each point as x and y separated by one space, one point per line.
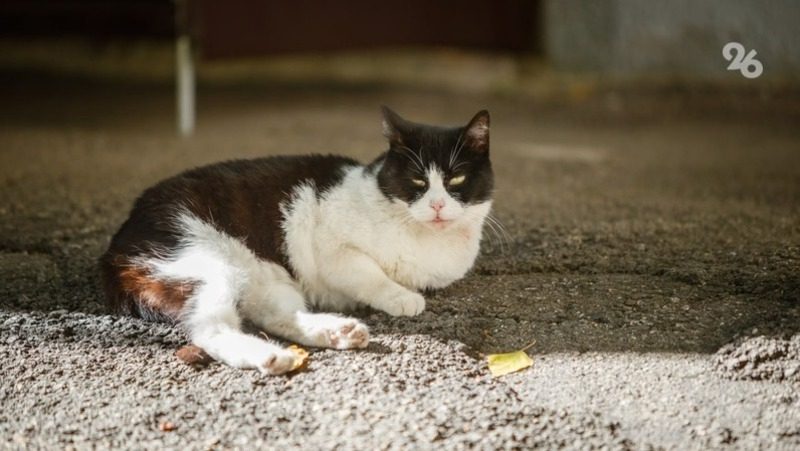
651 249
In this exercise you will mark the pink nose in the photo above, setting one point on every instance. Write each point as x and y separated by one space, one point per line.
437 204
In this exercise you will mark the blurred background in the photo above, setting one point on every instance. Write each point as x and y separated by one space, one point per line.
537 47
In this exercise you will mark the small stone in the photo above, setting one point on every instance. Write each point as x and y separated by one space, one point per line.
193 355
167 426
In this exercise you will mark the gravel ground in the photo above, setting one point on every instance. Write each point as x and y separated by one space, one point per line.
652 251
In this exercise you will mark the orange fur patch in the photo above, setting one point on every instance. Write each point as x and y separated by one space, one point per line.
166 297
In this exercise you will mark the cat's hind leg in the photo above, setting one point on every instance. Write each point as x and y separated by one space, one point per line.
275 304
221 266
215 326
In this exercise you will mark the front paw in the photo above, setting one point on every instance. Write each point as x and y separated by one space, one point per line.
406 303
349 335
277 362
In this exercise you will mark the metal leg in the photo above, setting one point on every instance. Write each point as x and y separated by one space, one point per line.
184 85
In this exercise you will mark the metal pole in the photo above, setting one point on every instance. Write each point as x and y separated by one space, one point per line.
184 72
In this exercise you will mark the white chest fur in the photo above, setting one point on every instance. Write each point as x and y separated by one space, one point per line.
423 258
356 216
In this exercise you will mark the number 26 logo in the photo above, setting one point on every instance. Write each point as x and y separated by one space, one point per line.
748 65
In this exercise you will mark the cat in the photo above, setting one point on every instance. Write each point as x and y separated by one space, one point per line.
267 239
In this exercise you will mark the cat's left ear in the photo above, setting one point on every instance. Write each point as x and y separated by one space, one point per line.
394 126
476 133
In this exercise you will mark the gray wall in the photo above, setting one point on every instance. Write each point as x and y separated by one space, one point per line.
671 38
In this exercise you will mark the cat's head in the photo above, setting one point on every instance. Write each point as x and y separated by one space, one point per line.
442 175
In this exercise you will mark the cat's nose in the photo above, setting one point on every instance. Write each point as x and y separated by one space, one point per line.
437 204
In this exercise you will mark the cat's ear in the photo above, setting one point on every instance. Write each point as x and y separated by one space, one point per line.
394 126
476 133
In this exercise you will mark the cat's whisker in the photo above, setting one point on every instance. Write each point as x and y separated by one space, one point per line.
417 159
494 237
499 224
500 230
452 152
458 165
498 241
458 151
506 236
418 167
494 229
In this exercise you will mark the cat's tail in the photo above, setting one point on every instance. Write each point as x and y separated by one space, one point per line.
132 283
132 288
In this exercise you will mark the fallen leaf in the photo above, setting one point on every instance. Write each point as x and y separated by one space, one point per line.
300 357
167 426
502 364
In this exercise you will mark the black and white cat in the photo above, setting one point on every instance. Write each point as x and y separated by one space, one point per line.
266 239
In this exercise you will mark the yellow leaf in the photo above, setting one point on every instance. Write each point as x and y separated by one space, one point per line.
300 357
502 364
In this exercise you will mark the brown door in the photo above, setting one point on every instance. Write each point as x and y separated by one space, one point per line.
251 27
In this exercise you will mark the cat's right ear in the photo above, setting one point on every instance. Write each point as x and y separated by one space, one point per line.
476 133
393 126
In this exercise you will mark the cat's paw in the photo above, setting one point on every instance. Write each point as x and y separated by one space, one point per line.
277 362
406 303
333 331
349 335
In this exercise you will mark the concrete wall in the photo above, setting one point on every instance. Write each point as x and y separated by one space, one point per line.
671 38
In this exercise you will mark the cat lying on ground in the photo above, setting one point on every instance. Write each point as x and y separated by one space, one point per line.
266 239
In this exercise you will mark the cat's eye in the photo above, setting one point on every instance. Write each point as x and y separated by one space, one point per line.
419 182
457 180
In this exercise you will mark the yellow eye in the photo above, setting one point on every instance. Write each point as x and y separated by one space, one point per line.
419 182
457 180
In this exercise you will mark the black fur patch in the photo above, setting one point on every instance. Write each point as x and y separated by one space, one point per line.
456 151
241 198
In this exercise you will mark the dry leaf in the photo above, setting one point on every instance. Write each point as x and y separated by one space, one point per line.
502 364
300 357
